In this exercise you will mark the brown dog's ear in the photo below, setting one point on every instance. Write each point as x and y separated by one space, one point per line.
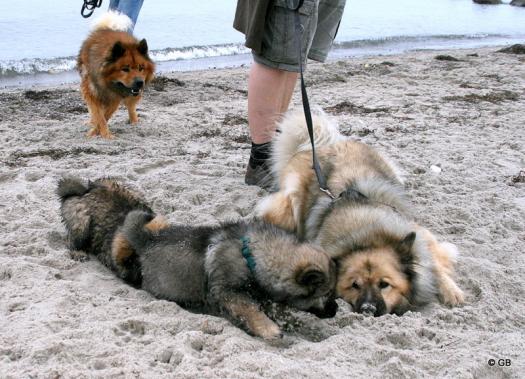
311 277
117 51
143 47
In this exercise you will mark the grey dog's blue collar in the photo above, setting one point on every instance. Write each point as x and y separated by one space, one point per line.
247 253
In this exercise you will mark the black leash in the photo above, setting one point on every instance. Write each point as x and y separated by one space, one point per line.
89 7
350 193
306 104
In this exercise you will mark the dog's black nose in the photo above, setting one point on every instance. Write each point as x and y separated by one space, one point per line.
368 309
138 83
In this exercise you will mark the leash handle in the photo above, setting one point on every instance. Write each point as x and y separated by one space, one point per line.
306 108
89 7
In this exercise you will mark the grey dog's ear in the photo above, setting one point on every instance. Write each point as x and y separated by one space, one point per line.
404 247
310 277
406 255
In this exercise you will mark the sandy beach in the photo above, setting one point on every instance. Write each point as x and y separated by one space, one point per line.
456 128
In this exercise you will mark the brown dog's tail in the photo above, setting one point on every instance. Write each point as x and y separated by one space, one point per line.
113 20
70 186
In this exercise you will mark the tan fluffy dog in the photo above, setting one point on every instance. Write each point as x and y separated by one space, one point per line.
386 263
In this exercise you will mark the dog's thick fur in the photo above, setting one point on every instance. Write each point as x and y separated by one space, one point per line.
204 268
92 214
201 268
386 263
114 67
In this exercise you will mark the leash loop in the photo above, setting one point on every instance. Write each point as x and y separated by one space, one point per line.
89 7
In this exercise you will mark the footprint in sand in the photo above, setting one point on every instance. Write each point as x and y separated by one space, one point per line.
147 168
129 329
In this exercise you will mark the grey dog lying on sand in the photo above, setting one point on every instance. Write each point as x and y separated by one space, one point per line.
227 270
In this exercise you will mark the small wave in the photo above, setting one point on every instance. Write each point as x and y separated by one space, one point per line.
57 65
36 65
195 52
394 40
11 68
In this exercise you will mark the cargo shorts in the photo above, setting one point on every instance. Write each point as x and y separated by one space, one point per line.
320 20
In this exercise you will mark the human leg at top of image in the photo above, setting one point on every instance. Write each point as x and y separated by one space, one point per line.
130 8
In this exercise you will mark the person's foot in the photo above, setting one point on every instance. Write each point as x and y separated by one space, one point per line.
259 176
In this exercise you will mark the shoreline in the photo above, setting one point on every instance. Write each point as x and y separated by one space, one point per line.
65 317
43 79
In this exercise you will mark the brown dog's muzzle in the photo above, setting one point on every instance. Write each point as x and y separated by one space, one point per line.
138 84
371 303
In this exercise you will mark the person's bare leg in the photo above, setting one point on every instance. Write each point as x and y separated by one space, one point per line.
291 80
269 93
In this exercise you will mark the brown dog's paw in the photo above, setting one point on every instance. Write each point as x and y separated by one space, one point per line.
93 132
106 134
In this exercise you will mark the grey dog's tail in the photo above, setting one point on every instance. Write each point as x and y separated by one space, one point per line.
134 229
70 186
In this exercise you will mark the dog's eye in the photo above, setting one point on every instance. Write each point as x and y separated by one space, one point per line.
383 284
125 69
141 68
355 285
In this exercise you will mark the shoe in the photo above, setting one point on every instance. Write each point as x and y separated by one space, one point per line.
259 176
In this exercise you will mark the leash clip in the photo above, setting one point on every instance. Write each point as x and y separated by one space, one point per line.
327 192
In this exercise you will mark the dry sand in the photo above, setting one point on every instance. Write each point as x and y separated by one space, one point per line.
61 317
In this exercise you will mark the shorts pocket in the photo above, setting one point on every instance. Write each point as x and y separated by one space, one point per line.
329 18
279 40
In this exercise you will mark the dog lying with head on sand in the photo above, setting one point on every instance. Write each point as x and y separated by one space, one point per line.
114 67
386 263
227 270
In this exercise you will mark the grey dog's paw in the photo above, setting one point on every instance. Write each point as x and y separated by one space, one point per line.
269 331
449 293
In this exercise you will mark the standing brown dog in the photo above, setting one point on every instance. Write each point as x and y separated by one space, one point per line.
114 66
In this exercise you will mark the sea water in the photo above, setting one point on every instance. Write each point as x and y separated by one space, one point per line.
39 40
